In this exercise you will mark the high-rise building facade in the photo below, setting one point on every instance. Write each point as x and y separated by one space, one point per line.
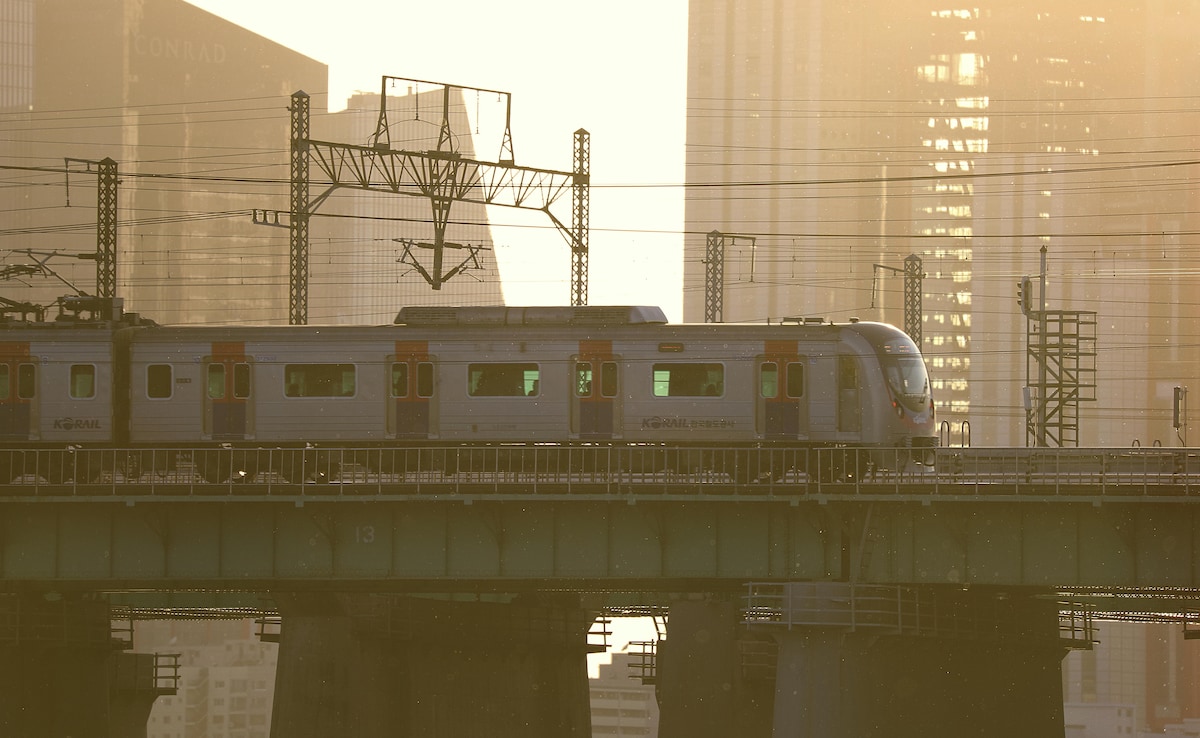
226 679
194 110
1149 673
829 141
620 704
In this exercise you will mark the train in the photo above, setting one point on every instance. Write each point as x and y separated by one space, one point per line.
238 401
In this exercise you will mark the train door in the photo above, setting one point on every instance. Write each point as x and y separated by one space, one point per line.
228 412
410 390
18 389
849 401
595 389
781 409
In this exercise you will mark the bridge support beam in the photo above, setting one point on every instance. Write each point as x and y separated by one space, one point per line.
864 661
371 666
54 667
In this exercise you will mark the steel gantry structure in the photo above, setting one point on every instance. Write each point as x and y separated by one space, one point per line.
714 281
443 176
1060 365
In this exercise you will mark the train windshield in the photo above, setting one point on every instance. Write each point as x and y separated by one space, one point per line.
909 381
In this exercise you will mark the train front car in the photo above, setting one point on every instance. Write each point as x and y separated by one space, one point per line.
897 403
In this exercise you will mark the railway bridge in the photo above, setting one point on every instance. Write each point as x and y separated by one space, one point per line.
453 594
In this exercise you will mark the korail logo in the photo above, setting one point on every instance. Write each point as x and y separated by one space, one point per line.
660 423
77 424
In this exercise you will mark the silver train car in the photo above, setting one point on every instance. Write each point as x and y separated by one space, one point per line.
478 377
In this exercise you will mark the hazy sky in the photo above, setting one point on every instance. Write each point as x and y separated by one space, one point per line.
615 68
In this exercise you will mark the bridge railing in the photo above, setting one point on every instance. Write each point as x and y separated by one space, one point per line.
598 470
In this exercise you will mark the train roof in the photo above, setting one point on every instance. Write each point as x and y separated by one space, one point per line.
502 315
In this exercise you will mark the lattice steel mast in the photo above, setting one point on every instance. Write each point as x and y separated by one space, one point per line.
106 229
580 199
913 307
714 277
298 224
714 271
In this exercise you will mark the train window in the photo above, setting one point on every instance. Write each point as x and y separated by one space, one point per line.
26 381
216 381
319 380
583 379
689 380
4 388
159 381
608 379
795 379
83 381
241 381
399 379
425 379
502 380
768 379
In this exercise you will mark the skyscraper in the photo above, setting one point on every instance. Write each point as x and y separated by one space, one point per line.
195 112
834 140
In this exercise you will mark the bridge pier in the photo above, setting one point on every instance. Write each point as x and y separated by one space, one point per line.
852 660
368 666
706 688
55 657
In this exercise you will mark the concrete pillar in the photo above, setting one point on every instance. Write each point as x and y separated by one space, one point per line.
833 684
54 667
869 660
853 661
380 666
707 686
